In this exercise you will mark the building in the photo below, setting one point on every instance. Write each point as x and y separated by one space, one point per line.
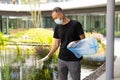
92 14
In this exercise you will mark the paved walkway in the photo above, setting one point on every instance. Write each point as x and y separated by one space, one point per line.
116 63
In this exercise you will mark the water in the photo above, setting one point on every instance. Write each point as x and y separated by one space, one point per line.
19 65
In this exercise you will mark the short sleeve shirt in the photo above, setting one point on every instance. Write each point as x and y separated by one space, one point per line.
67 33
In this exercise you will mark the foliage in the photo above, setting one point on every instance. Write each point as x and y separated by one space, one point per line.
117 34
100 55
46 72
19 58
42 51
12 62
91 63
99 38
33 35
3 40
9 61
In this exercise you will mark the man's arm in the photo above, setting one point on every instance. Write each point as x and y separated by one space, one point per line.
52 51
82 36
71 44
55 46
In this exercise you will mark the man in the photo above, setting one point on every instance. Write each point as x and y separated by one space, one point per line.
65 32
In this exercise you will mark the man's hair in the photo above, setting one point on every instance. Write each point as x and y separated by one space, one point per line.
58 10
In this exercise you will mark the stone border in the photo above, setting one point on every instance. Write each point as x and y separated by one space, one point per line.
99 71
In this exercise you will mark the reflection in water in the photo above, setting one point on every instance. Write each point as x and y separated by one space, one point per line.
16 65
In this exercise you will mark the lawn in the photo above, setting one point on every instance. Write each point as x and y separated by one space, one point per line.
33 35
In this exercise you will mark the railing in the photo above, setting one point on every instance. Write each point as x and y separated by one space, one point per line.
28 44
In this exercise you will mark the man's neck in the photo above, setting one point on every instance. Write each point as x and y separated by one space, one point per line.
65 21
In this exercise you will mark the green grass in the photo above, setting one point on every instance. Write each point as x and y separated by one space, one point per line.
34 35
117 34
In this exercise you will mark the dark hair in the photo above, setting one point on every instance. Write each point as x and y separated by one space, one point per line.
58 10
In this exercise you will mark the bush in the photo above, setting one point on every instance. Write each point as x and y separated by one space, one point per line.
33 35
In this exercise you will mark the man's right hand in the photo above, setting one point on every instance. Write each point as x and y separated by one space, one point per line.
40 62
43 59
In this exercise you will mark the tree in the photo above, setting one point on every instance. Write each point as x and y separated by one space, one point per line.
34 12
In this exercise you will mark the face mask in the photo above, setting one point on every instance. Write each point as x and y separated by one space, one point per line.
58 21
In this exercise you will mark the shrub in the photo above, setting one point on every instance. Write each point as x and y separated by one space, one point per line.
33 35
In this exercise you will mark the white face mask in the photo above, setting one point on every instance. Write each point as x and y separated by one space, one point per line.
58 21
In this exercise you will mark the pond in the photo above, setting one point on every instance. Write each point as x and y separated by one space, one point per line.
18 63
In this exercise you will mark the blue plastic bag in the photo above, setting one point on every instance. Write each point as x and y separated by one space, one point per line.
85 46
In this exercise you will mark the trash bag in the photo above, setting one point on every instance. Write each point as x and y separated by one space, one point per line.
85 46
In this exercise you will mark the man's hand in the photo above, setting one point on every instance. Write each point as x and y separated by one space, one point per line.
40 62
71 44
43 59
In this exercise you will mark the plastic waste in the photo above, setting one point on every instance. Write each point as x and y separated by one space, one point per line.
85 46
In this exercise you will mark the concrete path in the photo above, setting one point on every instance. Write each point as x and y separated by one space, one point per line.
116 70
116 63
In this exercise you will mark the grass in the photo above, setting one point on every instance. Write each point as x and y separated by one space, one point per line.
117 34
33 35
